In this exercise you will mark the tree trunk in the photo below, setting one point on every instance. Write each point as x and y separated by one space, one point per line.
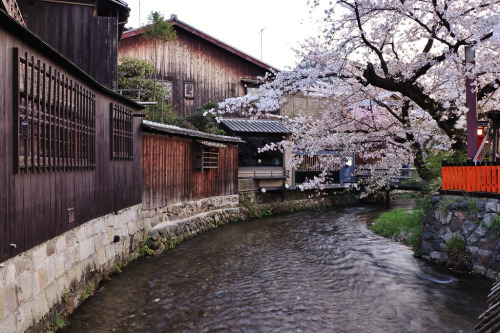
418 159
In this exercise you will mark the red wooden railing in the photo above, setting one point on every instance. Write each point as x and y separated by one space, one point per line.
470 178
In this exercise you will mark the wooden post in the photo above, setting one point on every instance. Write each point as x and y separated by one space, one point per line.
471 99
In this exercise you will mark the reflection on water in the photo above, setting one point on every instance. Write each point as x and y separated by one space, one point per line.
320 271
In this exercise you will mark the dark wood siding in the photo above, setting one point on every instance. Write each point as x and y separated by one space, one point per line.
36 203
216 73
89 41
104 54
169 175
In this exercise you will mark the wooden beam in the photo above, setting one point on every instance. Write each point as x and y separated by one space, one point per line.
13 10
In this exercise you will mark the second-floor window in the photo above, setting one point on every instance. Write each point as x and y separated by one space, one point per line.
122 135
189 89
55 118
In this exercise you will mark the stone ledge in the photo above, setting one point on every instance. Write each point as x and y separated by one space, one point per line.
181 229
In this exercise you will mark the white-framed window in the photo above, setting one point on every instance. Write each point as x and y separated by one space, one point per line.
189 89
166 94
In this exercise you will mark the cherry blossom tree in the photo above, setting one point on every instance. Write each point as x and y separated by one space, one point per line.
395 71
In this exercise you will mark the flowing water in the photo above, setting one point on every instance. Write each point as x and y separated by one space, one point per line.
315 271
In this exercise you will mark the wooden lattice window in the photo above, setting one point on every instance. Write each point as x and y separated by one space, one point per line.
310 163
122 135
54 119
210 159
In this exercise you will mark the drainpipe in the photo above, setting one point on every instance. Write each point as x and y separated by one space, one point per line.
471 100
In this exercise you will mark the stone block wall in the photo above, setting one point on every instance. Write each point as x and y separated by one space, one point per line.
53 276
473 219
184 210
56 276
175 223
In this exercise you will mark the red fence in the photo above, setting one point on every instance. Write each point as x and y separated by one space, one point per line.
471 178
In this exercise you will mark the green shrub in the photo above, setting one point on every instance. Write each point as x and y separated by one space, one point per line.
57 324
493 227
434 160
472 206
88 291
255 210
459 259
137 74
455 245
204 120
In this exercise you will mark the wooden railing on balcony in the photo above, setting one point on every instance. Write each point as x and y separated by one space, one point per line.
13 10
263 172
470 178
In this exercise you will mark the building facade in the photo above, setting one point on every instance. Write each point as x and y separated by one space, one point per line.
70 147
87 32
196 67
182 165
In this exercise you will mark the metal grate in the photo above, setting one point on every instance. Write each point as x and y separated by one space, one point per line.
55 119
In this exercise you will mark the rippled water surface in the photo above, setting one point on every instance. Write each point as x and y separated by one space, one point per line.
320 271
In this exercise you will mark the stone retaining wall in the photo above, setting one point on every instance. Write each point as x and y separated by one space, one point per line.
173 224
53 278
473 219
169 234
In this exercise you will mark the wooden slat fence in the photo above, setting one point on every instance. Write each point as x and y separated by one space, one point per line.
470 178
489 321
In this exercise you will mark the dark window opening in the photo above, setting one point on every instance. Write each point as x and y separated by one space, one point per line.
249 155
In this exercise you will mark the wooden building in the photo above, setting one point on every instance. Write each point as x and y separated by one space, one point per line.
196 67
87 32
268 170
181 165
70 148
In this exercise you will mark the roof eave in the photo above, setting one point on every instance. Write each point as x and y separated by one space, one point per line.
51 53
178 131
190 29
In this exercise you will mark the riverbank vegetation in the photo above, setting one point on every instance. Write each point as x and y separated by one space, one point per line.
459 259
403 225
300 200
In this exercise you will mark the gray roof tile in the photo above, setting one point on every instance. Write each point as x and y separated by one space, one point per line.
170 129
255 126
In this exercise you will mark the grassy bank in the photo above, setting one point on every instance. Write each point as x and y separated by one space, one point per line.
402 225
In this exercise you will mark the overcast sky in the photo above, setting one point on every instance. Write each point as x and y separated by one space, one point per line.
238 23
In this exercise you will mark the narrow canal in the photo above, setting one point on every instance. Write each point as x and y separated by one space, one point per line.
319 271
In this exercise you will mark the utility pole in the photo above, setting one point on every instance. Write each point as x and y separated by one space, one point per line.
261 32
139 13
471 100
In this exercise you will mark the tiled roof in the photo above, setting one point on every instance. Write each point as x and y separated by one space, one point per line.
255 126
123 3
170 129
120 3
